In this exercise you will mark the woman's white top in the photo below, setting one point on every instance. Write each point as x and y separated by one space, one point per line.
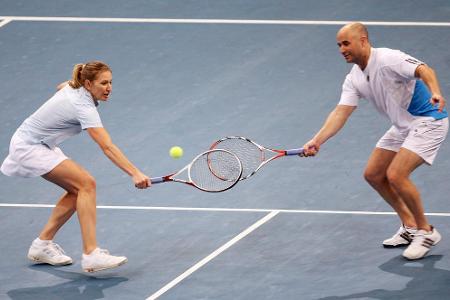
64 115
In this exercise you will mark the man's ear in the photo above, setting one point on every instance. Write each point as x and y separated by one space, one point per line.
364 40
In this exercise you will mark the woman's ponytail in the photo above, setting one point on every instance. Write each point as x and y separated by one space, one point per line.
76 82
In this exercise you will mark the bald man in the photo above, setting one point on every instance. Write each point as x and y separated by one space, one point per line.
407 92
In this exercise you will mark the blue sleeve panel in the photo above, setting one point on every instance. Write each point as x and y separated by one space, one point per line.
420 103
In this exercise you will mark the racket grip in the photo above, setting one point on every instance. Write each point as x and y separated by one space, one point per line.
294 151
157 180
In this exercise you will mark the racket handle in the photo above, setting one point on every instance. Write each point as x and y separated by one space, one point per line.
157 180
294 151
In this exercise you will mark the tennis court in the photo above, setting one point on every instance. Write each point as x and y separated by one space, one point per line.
188 73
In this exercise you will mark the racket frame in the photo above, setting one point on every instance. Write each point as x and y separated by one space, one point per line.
170 177
278 152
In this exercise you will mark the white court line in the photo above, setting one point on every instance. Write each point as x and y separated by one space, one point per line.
213 255
220 209
220 21
5 21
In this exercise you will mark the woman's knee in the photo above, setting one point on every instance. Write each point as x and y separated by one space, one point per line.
88 183
71 177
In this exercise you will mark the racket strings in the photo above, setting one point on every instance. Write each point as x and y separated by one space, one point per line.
250 155
215 171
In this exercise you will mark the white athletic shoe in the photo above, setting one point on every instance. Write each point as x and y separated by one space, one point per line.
48 252
100 259
402 237
421 244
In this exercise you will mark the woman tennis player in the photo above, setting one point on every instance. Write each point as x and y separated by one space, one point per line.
34 152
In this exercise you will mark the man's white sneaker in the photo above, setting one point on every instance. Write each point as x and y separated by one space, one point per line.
100 259
421 244
48 252
402 237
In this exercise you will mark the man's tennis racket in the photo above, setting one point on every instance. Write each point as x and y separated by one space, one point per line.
252 155
215 170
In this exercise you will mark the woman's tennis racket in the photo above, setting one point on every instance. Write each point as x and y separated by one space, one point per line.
252 155
216 170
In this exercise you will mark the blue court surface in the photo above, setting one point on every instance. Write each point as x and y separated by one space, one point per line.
188 73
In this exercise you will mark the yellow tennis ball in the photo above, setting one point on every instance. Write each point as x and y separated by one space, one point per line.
176 152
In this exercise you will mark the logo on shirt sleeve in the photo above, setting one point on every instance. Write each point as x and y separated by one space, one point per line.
414 61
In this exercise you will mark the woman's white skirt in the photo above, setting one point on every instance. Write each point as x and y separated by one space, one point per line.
30 160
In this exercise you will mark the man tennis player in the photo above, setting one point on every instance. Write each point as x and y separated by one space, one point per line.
407 91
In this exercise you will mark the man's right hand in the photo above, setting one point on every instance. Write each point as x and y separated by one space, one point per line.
311 148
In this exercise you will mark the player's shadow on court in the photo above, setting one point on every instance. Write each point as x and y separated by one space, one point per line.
79 286
428 282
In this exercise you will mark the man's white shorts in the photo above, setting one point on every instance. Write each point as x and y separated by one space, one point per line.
30 160
424 138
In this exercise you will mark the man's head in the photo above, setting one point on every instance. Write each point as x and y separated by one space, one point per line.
354 45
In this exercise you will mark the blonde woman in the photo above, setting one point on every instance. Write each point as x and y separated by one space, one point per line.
34 152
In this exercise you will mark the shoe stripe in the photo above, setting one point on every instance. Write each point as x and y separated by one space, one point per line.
405 235
428 243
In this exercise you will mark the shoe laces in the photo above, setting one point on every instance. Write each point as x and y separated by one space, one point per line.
400 231
103 251
55 249
408 230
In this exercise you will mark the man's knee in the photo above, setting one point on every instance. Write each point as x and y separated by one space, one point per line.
374 177
395 178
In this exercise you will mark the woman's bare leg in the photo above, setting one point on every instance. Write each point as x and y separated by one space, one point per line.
81 190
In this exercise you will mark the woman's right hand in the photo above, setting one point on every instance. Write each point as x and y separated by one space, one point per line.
141 181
